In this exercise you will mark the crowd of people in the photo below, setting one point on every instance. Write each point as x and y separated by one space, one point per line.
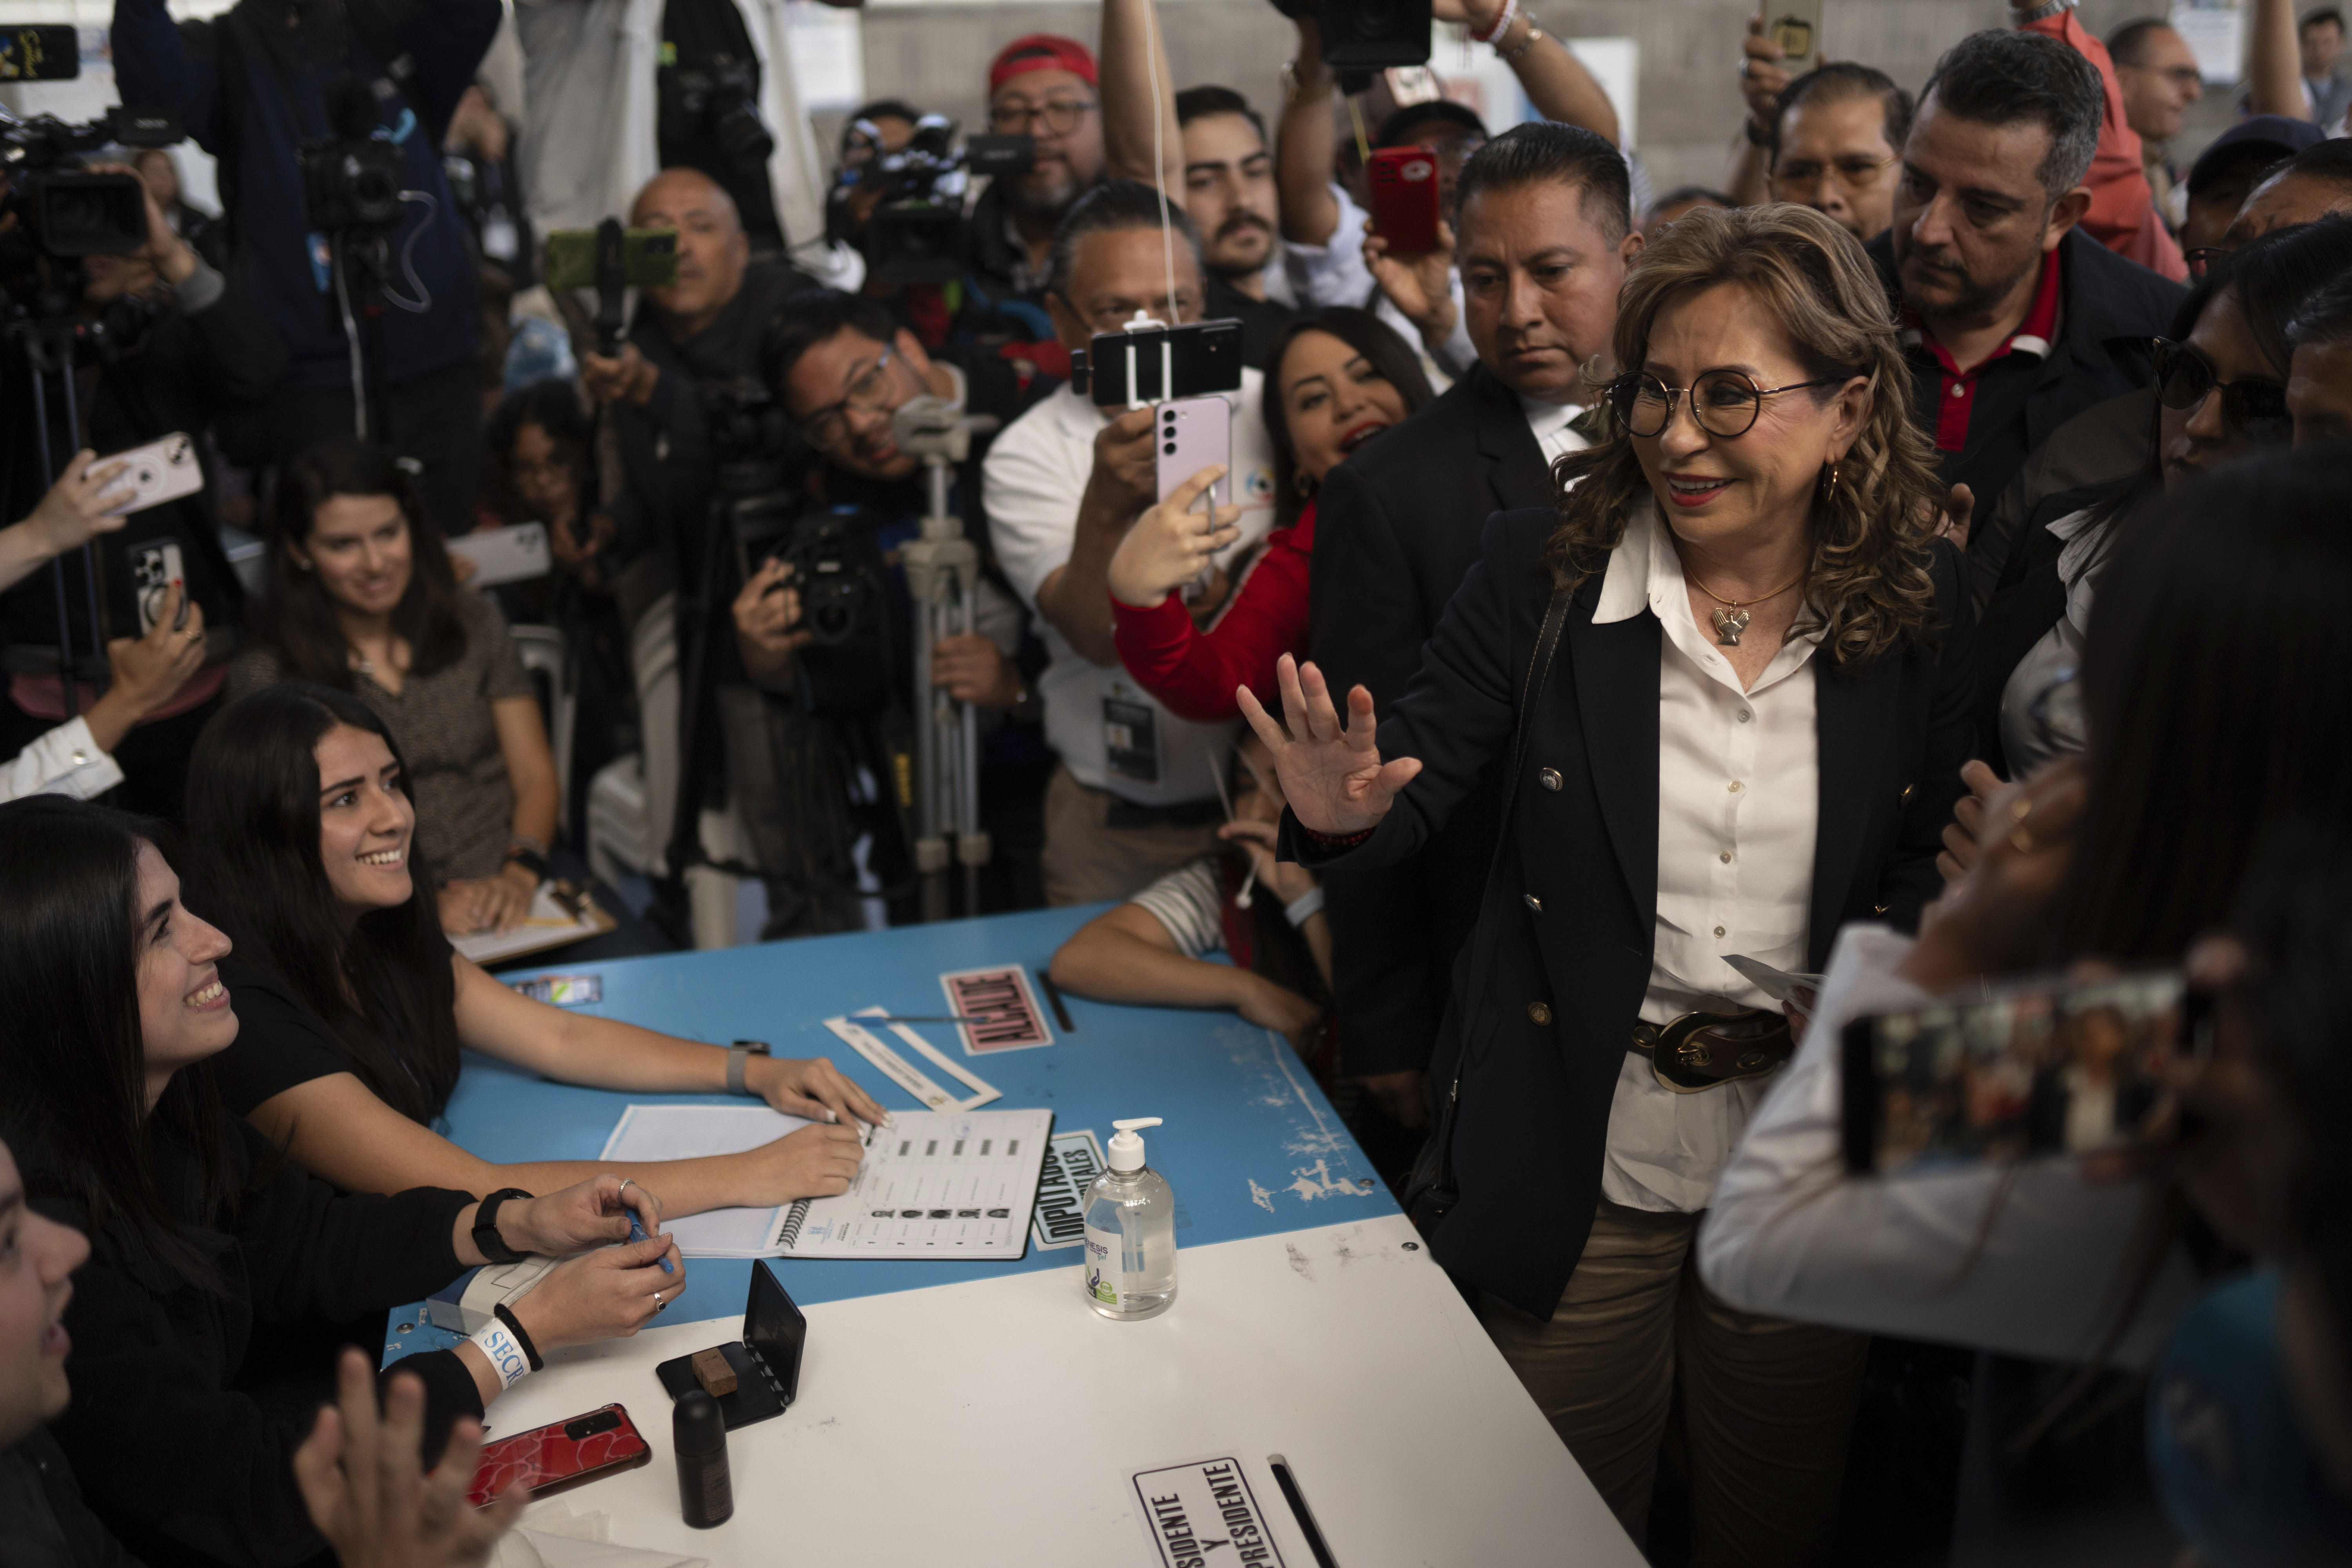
1909 567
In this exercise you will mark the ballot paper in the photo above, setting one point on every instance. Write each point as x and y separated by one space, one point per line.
955 1184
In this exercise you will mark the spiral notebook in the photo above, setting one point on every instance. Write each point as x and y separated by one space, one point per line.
933 1184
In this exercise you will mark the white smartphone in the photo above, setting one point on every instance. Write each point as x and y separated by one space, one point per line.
510 554
1796 26
153 569
1191 434
159 471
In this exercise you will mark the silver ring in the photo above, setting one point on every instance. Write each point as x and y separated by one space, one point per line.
657 1300
624 1186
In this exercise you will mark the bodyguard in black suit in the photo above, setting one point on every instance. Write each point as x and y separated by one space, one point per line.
1672 797
1543 239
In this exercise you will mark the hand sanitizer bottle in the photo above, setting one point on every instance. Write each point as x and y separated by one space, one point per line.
1131 1267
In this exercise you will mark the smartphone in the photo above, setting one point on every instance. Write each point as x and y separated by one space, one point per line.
1194 433
1796 26
561 1456
1128 370
1404 199
2042 1066
159 471
648 257
154 567
515 553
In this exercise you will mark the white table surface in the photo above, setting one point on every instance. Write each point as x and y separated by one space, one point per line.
1000 1420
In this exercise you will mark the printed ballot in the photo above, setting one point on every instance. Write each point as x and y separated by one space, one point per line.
956 1183
998 1009
1192 1511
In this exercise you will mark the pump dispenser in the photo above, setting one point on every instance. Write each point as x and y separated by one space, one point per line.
1130 1267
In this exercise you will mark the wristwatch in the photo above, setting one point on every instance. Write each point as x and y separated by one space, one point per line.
486 1240
738 1059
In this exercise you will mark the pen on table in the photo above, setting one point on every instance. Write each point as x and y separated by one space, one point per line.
1054 1000
637 1233
1300 1511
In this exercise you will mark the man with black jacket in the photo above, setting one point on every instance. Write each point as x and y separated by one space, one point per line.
1543 239
2014 320
250 88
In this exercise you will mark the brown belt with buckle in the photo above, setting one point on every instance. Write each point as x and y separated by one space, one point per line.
1700 1050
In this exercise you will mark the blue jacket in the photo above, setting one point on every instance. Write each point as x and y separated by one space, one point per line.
243 107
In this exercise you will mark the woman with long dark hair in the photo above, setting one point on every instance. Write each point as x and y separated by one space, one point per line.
1335 380
210 1253
2216 695
1724 680
302 832
363 600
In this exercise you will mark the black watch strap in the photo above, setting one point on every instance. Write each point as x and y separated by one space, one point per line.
487 1239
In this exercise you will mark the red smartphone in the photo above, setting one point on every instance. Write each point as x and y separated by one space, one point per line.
561 1456
1404 199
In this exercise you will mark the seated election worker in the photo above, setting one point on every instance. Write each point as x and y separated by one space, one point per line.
303 849
356 603
1148 949
211 1254
359 1469
1339 378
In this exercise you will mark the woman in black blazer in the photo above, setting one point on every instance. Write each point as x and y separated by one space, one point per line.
1680 796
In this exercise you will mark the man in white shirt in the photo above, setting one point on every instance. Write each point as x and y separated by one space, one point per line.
1136 794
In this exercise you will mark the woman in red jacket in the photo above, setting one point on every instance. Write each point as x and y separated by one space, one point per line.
1337 379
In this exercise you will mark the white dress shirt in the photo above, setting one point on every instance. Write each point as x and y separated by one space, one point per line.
2030 742
1309 277
1738 802
2024 1259
1549 424
64 761
1034 479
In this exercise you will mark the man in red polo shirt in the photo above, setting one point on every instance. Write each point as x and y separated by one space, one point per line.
2015 320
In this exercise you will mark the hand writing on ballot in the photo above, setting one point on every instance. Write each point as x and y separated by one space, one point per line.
1332 773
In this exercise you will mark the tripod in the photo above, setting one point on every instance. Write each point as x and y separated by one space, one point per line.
49 343
942 579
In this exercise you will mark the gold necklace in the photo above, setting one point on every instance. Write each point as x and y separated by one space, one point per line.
1732 621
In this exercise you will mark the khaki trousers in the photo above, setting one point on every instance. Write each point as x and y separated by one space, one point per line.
1766 1401
1087 861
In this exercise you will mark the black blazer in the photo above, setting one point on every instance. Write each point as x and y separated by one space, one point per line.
1396 529
1534 1114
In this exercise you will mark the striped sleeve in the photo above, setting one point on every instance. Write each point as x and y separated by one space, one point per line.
1187 903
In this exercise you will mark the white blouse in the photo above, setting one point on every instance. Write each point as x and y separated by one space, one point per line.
1738 802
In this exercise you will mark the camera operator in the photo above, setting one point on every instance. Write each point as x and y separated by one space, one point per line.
702 331
1043 85
842 367
171 342
251 87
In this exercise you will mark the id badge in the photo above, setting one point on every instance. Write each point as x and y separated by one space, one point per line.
1131 740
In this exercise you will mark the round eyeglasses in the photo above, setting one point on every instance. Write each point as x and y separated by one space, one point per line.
1724 403
2255 408
869 394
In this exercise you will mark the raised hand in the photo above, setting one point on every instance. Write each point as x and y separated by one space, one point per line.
1419 287
1171 543
1332 773
1762 77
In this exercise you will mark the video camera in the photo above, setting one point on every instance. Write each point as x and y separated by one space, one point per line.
350 179
66 212
716 102
916 234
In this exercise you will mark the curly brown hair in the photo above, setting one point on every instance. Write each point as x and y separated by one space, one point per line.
1867 587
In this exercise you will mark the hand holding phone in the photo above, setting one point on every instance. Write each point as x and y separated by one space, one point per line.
1172 546
1404 193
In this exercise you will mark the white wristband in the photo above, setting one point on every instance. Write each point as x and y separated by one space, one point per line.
1502 24
1305 907
505 1353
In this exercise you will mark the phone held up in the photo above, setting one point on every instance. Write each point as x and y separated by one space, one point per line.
159 471
1404 199
1193 433
1796 26
2042 1067
560 1456
1150 362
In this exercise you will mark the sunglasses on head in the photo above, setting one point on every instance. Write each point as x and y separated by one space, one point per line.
2256 409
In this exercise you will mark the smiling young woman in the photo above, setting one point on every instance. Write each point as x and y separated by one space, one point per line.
1697 787
304 850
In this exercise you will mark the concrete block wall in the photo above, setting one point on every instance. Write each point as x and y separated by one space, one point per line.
935 56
